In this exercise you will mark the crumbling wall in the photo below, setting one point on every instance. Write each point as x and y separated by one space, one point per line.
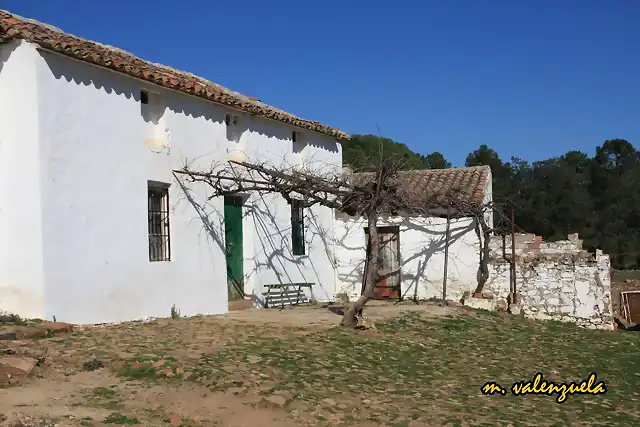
554 280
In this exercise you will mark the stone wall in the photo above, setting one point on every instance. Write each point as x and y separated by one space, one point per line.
554 280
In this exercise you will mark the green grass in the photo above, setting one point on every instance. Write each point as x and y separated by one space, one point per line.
432 370
117 418
101 397
103 392
137 373
412 368
11 319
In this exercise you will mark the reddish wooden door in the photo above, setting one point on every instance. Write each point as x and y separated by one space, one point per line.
633 304
388 285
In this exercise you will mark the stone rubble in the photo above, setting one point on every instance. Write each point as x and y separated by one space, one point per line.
18 358
554 280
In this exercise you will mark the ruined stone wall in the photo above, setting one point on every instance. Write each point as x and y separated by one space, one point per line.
554 280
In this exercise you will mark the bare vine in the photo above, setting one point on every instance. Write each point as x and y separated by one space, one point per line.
382 191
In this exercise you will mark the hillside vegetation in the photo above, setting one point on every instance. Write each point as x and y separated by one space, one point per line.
597 196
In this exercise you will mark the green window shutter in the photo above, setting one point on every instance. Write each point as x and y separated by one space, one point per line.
297 228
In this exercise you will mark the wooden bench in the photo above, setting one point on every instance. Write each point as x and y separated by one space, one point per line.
286 294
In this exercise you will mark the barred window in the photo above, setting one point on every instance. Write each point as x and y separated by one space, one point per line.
297 227
158 209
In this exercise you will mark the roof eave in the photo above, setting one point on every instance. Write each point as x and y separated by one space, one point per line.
256 111
203 89
339 135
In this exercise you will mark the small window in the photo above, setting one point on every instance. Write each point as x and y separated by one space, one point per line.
231 120
294 136
144 97
297 227
233 130
158 210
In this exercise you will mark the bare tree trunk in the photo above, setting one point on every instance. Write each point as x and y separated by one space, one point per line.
484 234
385 193
351 313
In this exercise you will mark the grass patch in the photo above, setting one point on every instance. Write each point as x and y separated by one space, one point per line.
11 319
104 392
412 368
118 418
135 372
490 313
101 397
415 366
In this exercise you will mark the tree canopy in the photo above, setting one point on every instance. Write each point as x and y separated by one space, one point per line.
361 153
597 197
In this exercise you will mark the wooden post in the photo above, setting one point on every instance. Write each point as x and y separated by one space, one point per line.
364 273
446 257
513 256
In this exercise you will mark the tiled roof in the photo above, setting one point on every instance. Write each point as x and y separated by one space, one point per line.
53 39
433 189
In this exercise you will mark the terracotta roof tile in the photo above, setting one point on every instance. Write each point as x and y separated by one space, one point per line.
432 189
53 39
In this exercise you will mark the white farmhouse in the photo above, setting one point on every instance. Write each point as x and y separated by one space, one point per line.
413 246
95 227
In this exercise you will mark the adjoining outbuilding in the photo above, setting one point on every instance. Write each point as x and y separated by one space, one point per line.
413 244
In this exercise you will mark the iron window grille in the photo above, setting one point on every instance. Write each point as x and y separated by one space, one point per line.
297 227
159 236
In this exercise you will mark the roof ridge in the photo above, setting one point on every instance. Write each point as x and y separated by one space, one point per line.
426 187
448 169
437 170
13 26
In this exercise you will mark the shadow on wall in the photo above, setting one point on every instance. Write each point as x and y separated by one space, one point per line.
179 103
432 243
271 253
101 79
275 257
6 51
419 243
212 219
275 129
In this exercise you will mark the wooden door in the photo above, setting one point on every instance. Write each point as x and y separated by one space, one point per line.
388 285
233 246
633 306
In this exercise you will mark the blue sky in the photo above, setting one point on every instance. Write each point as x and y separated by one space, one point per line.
531 79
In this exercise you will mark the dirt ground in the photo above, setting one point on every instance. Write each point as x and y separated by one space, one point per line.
330 316
412 366
165 372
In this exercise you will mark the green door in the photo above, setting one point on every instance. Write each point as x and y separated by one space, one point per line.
233 246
